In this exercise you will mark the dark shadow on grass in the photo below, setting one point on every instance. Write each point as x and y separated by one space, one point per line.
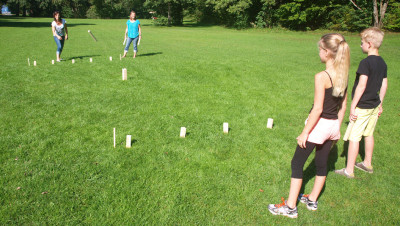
5 23
148 54
361 149
81 57
310 172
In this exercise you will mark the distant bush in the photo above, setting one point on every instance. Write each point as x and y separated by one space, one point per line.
160 21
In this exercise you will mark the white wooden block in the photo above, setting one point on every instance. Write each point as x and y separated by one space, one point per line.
124 74
110 58
52 61
270 123
226 127
29 63
73 61
120 57
114 137
183 132
34 63
91 60
128 141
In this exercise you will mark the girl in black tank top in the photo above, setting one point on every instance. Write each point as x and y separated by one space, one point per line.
322 126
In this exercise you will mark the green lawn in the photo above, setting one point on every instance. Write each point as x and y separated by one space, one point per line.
56 127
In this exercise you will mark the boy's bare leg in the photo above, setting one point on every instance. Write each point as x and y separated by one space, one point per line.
124 53
351 156
295 186
134 54
369 148
317 188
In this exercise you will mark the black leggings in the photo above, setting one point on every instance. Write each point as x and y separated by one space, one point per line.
321 158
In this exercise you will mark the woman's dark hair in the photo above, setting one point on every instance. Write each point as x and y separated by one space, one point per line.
54 16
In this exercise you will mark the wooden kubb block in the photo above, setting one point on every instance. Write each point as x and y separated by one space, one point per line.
226 127
128 141
183 132
270 123
124 74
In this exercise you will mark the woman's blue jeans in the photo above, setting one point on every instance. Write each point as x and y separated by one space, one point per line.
128 43
60 44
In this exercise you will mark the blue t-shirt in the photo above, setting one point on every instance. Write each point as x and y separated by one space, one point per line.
133 28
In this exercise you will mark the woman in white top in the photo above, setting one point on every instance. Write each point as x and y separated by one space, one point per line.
60 32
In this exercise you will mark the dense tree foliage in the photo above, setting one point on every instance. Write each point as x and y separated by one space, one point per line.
349 15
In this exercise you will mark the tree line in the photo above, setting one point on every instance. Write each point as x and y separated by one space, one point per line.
343 15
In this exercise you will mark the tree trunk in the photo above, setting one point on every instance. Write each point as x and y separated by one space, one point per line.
376 17
24 11
169 13
382 9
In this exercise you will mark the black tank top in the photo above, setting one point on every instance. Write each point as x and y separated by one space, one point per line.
331 103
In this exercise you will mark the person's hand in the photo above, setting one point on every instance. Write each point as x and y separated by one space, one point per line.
59 37
302 139
353 115
380 110
66 36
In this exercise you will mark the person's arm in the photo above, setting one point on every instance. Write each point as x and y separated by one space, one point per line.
319 95
342 109
53 28
362 84
66 31
382 93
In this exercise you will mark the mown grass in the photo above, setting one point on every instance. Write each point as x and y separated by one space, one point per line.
57 122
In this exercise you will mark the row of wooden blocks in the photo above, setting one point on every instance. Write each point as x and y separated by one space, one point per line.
73 60
183 132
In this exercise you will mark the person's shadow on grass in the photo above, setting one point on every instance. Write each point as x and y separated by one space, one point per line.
310 171
81 57
148 54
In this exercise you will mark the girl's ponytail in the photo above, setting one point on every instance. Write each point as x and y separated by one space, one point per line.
340 52
341 66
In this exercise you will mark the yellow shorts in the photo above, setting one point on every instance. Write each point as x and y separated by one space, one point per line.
365 123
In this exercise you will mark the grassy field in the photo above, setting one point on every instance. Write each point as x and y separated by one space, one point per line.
58 164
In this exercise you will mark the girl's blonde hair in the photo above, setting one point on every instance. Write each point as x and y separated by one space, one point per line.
340 53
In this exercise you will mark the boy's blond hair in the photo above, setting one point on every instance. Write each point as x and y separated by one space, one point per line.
373 35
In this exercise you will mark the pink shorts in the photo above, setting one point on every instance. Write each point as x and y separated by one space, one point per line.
326 129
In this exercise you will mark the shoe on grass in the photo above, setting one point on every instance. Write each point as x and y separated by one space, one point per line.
361 166
344 173
282 209
310 204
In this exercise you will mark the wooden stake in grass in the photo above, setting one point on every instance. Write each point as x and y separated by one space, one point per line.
270 123
110 58
226 127
120 57
91 60
92 35
183 132
52 61
128 141
73 61
29 63
124 74
114 137
34 63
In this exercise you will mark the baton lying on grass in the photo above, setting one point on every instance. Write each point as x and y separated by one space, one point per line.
124 41
92 35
